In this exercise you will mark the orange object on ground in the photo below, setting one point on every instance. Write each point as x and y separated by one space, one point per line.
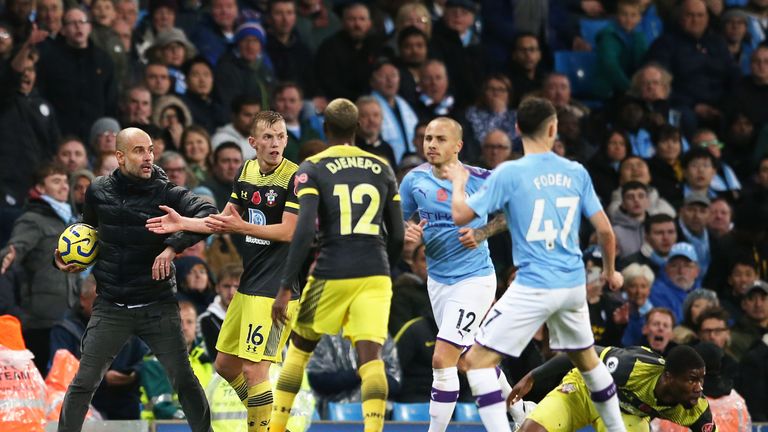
10 333
22 392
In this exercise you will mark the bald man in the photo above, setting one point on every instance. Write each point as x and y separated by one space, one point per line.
461 279
352 193
135 278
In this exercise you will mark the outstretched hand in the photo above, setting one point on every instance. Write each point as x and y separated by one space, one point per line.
169 223
226 222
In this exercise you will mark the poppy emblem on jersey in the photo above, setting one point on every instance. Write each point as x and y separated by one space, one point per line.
442 195
271 198
256 198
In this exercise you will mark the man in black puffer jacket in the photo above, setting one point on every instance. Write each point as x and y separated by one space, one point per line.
135 278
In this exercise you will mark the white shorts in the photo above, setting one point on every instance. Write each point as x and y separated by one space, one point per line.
459 308
515 318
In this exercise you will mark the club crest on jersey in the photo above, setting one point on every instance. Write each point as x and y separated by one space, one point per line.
256 198
567 388
271 198
442 195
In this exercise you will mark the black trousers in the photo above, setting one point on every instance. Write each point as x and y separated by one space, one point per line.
159 326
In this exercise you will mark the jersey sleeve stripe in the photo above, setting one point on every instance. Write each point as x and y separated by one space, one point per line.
233 195
291 205
305 191
396 197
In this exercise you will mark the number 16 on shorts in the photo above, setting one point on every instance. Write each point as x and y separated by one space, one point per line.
253 338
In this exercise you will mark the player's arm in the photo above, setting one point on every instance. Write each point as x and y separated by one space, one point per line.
497 225
458 175
302 240
607 241
231 222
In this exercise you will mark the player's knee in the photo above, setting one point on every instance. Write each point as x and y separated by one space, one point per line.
462 365
368 351
256 373
226 368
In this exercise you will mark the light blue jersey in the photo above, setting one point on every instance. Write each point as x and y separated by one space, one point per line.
448 261
543 197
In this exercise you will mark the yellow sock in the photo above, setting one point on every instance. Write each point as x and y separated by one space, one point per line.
259 406
288 385
374 394
241 388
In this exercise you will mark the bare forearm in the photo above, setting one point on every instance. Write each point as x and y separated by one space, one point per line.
496 225
195 225
607 241
462 214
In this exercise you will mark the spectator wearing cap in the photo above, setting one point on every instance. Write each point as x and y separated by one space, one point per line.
161 17
456 41
288 101
316 22
725 181
753 384
207 111
245 70
343 61
412 52
699 58
397 117
679 277
628 220
692 227
215 32
172 48
368 136
694 304
699 169
290 55
754 322
751 92
103 137
77 77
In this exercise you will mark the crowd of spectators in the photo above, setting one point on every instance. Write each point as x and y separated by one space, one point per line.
672 126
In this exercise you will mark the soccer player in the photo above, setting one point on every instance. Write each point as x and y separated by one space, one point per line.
354 196
542 196
461 278
648 385
263 207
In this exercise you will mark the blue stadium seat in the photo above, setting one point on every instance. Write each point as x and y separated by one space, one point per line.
410 412
466 412
345 411
579 66
736 3
589 28
315 415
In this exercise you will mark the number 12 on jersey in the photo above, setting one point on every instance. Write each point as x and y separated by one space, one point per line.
548 234
346 199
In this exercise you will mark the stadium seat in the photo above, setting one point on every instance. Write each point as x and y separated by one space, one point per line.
466 412
579 66
736 3
589 28
345 411
410 412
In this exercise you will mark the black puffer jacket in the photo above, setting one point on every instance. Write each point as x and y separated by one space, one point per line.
119 206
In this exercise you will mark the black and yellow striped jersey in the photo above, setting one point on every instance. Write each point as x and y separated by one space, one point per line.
636 370
354 188
263 198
